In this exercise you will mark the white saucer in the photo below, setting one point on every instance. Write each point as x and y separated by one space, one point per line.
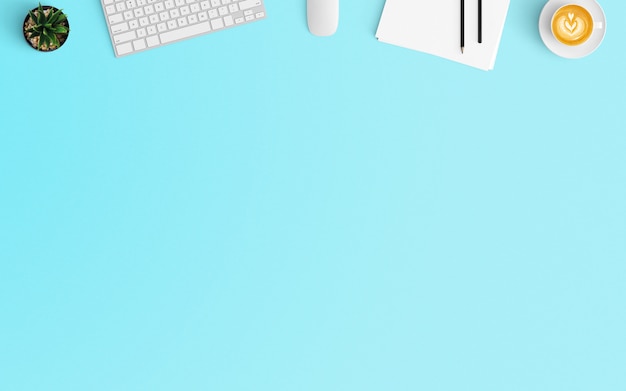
585 49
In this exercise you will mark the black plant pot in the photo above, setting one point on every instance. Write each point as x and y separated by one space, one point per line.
61 37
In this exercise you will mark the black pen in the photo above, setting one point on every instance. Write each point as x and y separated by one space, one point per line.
462 25
480 21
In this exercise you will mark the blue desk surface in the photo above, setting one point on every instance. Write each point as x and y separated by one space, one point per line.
261 209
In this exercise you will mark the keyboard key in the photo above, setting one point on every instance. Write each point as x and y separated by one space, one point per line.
185 32
119 28
115 19
110 9
246 4
152 41
124 49
228 20
127 36
259 15
217 24
139 44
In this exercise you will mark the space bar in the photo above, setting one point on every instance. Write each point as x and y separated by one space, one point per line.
185 32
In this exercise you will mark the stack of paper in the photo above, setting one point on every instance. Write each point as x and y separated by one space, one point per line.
434 27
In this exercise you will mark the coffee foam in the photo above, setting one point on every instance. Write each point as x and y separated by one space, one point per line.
572 24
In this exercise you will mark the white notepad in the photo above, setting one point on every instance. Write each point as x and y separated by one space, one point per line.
433 26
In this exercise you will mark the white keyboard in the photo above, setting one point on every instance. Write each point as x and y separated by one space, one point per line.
138 25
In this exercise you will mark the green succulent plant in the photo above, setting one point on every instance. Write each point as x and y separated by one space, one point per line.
49 28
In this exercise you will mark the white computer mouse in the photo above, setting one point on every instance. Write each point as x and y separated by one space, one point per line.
322 16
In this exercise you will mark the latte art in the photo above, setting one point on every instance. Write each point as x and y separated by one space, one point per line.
572 25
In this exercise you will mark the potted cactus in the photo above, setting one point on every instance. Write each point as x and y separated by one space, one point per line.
46 28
